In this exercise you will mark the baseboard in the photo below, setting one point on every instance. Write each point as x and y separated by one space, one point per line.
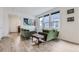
70 42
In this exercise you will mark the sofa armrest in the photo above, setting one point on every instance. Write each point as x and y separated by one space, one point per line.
44 34
33 32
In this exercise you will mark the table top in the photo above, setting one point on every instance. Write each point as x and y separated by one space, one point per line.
38 35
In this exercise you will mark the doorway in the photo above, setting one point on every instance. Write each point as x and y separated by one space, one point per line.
14 23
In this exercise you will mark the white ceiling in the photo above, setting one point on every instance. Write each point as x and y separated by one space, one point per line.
30 11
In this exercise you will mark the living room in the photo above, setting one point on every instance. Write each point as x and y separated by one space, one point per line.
41 29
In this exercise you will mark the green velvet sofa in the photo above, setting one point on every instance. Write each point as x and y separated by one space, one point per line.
49 34
26 33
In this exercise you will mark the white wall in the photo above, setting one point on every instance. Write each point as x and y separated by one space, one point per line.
69 30
4 20
4 24
7 23
1 23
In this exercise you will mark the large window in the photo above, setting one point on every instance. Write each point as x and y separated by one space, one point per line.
46 21
55 20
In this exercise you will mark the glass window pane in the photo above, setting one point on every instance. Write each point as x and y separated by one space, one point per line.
46 22
55 17
46 25
46 19
41 23
55 21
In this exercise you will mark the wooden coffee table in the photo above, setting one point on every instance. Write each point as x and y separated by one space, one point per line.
38 37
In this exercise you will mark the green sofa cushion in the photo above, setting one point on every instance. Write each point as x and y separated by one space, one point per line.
53 34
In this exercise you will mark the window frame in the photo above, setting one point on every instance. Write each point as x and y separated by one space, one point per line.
54 22
49 21
45 23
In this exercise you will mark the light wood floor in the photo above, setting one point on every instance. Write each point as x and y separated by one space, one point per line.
13 43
